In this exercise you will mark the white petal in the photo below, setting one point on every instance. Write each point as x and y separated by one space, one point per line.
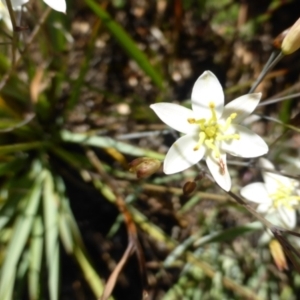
175 116
207 89
275 218
59 5
264 208
219 170
248 145
243 106
288 216
265 238
4 15
265 163
273 181
250 119
17 3
181 155
256 192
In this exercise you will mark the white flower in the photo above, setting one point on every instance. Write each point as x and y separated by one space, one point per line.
59 5
210 129
277 195
15 3
4 15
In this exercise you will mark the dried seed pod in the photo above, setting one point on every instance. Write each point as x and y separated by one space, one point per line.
144 167
189 187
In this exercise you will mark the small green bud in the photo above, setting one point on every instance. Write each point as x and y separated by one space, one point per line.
291 42
144 167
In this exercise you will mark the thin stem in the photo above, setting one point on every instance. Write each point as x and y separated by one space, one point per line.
272 101
240 201
269 65
14 26
30 40
11 14
251 210
138 135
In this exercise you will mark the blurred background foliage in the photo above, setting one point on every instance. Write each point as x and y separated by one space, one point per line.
75 91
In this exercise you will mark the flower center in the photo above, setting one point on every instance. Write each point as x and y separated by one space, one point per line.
212 132
285 196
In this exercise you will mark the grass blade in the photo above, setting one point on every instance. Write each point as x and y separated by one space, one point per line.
35 258
19 238
80 254
107 142
21 275
21 147
126 42
51 201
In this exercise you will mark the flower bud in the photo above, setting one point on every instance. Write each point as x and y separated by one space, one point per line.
277 42
144 167
278 255
291 42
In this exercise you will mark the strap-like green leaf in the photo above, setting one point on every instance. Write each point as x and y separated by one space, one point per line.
51 204
35 258
21 232
107 142
126 42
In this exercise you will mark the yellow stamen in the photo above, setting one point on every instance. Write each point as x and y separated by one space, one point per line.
213 112
229 120
228 137
285 196
211 132
213 147
201 140
191 121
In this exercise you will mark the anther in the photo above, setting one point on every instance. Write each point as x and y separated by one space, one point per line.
213 112
191 121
